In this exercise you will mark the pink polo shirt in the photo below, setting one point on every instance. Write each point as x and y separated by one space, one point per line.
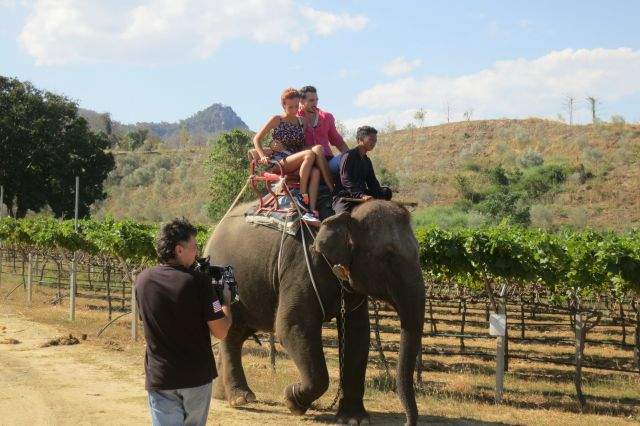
323 133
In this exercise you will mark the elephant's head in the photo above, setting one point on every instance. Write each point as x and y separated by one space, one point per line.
377 248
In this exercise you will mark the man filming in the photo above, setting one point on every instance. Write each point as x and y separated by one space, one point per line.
180 310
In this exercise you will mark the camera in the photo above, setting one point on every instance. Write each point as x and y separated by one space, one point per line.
220 275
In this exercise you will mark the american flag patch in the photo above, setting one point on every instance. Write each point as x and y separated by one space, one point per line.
217 307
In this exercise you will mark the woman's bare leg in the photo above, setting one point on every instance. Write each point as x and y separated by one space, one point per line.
314 183
302 160
323 165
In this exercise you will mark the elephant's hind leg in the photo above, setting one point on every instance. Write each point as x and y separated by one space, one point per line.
304 345
232 382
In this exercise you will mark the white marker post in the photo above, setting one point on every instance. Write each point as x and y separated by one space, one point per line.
498 328
72 280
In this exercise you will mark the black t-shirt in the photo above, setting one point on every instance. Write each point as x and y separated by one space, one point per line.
175 305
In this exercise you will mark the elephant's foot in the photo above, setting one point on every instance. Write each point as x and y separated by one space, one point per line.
239 397
292 401
352 413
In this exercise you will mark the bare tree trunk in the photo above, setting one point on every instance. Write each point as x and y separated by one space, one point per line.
59 265
89 280
636 349
108 265
44 265
464 319
522 316
622 322
534 308
434 328
24 277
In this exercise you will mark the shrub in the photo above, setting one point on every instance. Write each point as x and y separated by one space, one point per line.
540 180
442 216
531 158
617 119
541 216
388 178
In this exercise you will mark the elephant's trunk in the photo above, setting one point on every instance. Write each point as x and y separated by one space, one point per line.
411 311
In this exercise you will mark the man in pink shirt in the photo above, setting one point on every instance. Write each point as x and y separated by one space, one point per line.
319 125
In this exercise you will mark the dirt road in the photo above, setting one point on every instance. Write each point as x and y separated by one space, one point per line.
63 384
88 383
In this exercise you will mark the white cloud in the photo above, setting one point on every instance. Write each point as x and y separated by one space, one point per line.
518 87
326 23
400 66
154 31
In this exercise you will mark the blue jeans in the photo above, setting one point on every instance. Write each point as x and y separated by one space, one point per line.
177 407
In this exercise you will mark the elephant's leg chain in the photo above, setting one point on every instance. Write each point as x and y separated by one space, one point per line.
341 347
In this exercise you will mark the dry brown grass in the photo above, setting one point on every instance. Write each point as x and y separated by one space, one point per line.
612 152
455 388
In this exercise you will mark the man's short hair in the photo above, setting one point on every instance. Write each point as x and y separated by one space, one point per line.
171 234
307 89
364 131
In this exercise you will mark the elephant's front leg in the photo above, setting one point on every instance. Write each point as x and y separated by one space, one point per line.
356 355
304 345
233 383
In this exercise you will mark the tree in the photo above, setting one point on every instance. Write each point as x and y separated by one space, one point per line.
468 114
135 139
183 137
228 167
569 102
593 102
420 115
43 146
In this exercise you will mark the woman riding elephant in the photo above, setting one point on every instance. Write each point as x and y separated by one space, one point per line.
375 248
288 149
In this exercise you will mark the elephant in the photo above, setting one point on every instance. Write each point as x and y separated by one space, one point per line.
375 247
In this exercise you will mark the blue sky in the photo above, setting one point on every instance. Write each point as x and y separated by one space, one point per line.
372 61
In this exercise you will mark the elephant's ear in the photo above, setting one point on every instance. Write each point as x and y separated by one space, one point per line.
335 238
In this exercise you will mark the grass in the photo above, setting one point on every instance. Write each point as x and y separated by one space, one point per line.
454 388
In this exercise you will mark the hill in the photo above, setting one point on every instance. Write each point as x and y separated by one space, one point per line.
548 174
197 129
437 164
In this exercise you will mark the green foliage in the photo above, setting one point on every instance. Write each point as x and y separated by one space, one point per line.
134 139
43 146
531 158
448 217
569 266
228 167
510 193
388 178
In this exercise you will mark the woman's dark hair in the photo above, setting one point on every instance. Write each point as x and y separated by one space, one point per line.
307 89
365 131
171 234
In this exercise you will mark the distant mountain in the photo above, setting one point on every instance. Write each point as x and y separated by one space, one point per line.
199 128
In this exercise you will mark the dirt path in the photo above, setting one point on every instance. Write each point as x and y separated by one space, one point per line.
90 384
63 384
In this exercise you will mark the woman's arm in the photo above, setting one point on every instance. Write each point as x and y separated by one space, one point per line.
271 124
